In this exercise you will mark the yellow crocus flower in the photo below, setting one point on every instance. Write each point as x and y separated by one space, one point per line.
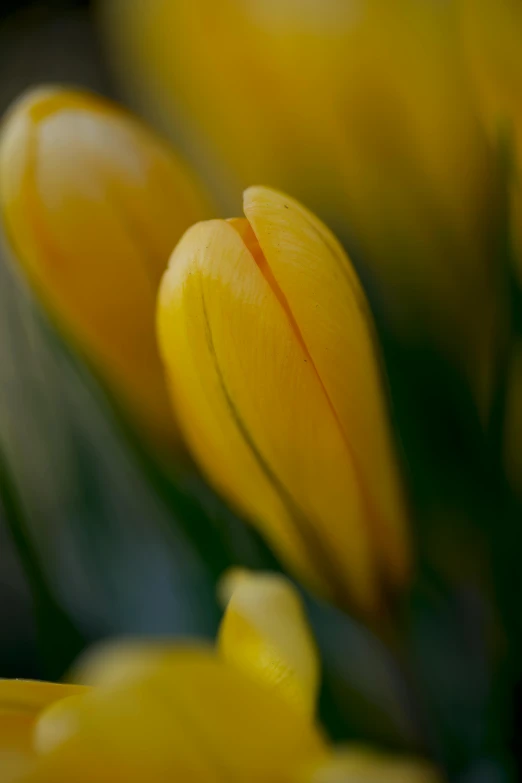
161 712
92 204
361 108
273 367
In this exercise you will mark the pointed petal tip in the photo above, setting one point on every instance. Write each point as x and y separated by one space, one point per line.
196 239
268 193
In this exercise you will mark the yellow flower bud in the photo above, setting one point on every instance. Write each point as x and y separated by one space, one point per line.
92 204
271 359
361 109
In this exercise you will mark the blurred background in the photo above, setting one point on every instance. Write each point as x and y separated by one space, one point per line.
50 41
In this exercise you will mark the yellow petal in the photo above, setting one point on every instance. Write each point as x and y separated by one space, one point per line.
255 413
191 718
21 701
264 632
358 765
93 203
329 308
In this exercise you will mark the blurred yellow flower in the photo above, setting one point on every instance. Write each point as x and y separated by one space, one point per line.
159 713
274 371
92 204
362 109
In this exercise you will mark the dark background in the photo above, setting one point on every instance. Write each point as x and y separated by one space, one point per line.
48 41
39 42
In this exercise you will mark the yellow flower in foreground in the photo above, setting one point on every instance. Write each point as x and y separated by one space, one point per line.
162 713
92 204
271 358
362 109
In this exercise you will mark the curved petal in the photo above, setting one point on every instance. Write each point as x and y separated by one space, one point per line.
21 701
264 632
191 718
93 204
255 413
329 308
